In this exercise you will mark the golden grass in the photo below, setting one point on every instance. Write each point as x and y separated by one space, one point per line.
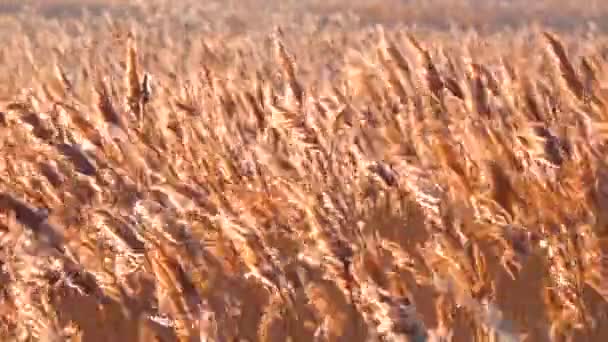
327 181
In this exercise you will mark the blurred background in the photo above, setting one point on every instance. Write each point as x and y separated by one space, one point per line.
485 15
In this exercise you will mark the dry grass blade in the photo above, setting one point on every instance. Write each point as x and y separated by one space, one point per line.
567 69
288 66
106 107
433 78
132 79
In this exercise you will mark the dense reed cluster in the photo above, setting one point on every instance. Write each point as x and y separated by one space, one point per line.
161 181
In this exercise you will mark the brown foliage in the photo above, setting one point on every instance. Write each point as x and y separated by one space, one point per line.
311 183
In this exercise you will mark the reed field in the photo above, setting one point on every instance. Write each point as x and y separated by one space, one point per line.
303 170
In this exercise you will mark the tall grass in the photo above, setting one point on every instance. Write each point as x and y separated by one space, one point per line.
321 184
